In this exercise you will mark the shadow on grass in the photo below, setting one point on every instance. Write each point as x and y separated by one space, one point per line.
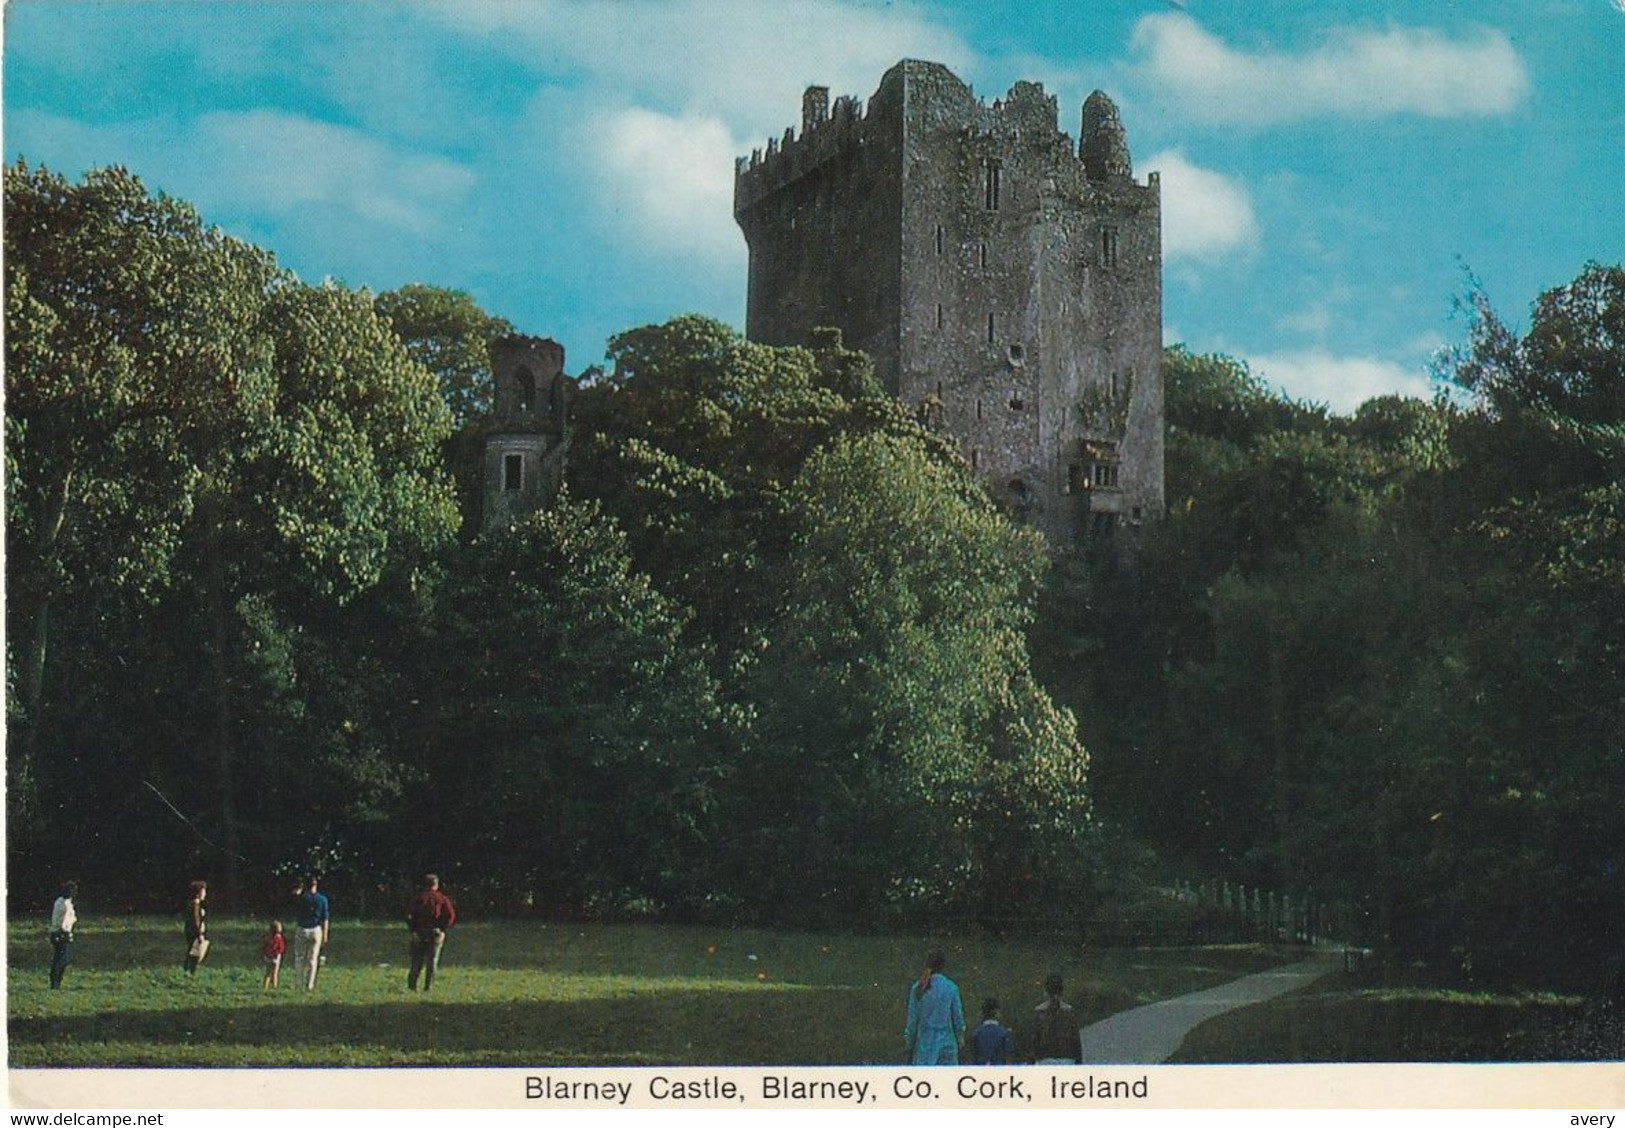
1345 1021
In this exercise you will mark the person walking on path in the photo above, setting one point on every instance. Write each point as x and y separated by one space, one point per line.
936 1018
310 935
61 931
1055 1028
429 915
197 942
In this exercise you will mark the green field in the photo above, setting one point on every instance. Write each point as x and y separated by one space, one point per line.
545 994
1356 1020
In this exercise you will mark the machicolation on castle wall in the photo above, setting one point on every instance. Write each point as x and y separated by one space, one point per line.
1007 283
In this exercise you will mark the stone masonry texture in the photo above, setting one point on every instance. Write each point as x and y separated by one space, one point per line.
1007 282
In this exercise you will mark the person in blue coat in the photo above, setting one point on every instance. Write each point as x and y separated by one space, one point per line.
936 1018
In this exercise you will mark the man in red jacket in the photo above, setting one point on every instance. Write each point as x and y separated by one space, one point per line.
429 915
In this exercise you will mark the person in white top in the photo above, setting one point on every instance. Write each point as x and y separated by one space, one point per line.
63 919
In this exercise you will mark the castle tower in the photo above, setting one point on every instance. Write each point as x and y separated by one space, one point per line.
1005 281
528 434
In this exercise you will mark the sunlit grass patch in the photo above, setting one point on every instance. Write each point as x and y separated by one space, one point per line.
542 993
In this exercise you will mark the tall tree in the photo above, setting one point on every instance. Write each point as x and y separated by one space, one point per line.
448 333
184 414
135 362
578 740
895 689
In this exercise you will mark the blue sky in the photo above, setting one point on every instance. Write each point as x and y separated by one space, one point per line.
1330 171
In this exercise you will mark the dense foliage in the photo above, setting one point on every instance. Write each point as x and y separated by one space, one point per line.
1379 657
715 670
774 654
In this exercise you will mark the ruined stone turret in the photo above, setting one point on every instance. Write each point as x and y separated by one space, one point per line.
1103 144
528 432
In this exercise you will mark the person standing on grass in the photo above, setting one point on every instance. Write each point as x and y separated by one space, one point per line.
936 1018
310 936
1056 1038
197 943
272 949
990 1042
429 915
61 931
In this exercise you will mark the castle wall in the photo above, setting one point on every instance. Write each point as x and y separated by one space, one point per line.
1025 306
820 215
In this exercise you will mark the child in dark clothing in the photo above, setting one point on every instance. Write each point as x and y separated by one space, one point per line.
990 1042
272 950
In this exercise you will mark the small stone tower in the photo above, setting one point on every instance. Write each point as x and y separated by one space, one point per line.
1007 283
528 433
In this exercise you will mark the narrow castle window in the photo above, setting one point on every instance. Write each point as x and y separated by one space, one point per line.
939 238
984 256
1114 384
525 387
1016 354
1017 403
991 195
975 458
513 472
978 409
1106 475
1108 246
1137 515
990 328
939 315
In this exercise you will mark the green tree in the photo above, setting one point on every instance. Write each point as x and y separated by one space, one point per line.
895 690
185 416
579 740
134 362
448 333
694 437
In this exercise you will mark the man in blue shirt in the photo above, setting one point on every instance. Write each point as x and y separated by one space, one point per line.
310 932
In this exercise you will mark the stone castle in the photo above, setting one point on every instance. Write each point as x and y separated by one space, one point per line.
1007 284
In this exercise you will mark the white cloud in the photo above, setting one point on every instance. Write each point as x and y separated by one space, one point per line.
745 63
1354 72
1205 214
672 181
276 163
1313 320
262 163
641 107
1342 382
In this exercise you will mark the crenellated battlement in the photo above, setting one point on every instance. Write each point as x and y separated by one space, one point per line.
824 134
929 91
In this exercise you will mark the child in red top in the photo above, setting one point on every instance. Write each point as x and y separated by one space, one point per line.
272 949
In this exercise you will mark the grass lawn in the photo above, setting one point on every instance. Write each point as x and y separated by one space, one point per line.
538 993
1357 1020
